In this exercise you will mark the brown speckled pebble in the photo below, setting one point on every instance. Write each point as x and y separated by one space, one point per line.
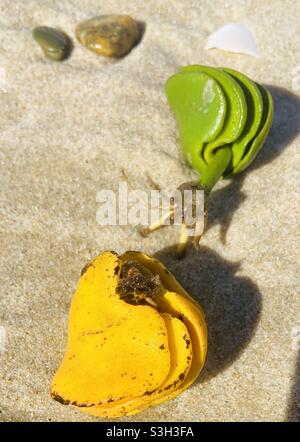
109 35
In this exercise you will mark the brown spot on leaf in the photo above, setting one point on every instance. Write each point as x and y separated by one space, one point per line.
96 332
187 341
114 253
63 401
84 269
116 270
59 399
147 392
77 404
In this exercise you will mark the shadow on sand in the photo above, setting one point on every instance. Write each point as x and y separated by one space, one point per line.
232 304
286 126
293 410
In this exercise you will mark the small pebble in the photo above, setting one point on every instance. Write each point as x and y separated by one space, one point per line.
54 43
108 35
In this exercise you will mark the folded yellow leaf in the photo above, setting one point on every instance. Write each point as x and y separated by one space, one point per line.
135 338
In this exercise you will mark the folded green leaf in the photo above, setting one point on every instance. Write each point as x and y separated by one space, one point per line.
219 112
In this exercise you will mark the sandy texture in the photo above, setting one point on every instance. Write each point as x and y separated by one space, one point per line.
66 131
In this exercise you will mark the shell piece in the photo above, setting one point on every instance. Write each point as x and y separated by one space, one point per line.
54 43
108 35
233 37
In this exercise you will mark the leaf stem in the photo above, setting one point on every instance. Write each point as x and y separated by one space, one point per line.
215 168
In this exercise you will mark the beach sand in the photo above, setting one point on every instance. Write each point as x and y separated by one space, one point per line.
68 129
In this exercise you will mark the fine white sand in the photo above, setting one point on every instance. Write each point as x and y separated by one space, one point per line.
68 128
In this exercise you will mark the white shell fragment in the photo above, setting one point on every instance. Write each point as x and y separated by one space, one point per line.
233 37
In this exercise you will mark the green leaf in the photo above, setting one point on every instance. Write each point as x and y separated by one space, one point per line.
236 111
254 116
256 144
199 106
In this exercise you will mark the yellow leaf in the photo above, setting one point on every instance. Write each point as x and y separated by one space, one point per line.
136 338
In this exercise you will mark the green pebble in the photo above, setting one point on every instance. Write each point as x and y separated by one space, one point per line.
54 43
